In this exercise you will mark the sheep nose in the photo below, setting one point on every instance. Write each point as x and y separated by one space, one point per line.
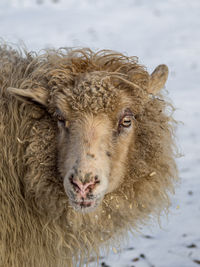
83 188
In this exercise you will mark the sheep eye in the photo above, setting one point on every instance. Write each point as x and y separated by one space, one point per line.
60 117
126 122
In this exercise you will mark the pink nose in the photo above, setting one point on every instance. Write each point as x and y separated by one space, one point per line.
83 189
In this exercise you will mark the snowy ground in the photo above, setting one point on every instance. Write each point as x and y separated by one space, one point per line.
157 31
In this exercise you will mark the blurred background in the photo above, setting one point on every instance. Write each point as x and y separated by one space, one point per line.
156 31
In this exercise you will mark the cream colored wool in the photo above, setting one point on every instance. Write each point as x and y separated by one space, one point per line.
38 227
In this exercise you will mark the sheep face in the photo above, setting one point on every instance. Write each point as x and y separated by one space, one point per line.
93 151
93 144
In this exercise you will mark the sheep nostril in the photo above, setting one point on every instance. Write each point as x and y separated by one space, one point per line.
71 176
74 183
96 179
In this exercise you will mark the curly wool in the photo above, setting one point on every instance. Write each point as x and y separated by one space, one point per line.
38 226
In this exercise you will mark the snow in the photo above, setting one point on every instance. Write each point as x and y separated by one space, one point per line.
157 32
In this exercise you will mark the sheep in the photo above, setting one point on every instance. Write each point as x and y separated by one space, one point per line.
87 153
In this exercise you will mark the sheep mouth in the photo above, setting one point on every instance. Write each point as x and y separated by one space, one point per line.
85 205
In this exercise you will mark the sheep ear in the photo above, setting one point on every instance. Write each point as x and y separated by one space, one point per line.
39 95
158 79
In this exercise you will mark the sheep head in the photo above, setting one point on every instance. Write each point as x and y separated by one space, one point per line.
96 120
